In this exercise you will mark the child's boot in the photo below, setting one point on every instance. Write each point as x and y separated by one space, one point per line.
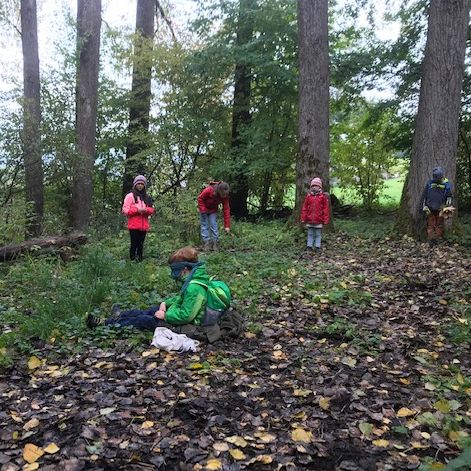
206 247
215 246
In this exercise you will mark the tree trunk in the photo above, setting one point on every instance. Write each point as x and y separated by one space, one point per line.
436 131
139 109
241 115
88 52
313 154
32 120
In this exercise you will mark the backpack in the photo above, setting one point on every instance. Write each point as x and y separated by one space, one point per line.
219 300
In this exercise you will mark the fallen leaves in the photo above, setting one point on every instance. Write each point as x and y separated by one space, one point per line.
31 453
301 435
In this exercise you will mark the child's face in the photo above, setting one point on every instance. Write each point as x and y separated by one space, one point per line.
315 188
139 186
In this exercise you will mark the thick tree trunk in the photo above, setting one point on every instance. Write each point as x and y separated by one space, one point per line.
62 244
436 131
241 115
32 119
139 110
88 48
313 154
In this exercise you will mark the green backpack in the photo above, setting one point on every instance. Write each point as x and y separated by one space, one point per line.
219 300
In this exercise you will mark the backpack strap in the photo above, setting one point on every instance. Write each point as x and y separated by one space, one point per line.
196 282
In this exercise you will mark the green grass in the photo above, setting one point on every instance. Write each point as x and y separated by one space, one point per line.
390 196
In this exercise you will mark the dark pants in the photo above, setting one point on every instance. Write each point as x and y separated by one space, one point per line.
137 244
435 226
142 320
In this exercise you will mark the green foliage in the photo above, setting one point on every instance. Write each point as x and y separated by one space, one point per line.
360 158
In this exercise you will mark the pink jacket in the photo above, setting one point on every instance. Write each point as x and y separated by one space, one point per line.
131 211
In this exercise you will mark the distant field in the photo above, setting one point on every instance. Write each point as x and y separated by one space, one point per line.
390 196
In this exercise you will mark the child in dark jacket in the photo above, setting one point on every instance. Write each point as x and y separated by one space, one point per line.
437 195
315 213
138 207
188 307
208 203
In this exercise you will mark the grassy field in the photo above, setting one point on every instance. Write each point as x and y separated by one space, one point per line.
390 196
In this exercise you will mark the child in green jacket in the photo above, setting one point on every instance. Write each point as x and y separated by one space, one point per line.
188 307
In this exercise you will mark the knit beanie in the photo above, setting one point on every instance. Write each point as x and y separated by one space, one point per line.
316 182
437 173
139 179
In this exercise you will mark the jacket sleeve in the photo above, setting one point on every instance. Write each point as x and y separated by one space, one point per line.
150 210
129 207
184 312
226 208
326 210
202 199
448 190
304 210
424 195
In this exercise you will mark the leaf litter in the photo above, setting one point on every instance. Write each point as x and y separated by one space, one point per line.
351 369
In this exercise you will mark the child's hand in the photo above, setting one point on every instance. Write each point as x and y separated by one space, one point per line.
160 315
163 307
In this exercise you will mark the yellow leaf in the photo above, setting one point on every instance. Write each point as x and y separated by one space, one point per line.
236 440
455 436
31 424
34 362
148 353
147 424
324 403
31 467
220 446
425 435
443 406
381 443
195 366
443 301
418 445
237 454
265 437
265 459
51 448
302 392
213 464
300 435
405 412
404 381
31 453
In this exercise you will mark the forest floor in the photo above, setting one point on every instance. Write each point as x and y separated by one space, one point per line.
357 358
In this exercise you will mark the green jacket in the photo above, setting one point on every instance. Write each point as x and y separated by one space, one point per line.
189 307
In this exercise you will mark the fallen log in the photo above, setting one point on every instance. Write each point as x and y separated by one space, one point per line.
64 245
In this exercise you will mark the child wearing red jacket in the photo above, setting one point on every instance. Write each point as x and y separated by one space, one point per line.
315 213
208 203
138 207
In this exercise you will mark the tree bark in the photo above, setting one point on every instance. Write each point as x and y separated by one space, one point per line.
139 109
313 43
241 115
88 52
435 139
32 120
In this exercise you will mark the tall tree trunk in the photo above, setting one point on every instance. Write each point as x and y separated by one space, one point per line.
139 109
88 52
313 43
241 114
436 130
32 119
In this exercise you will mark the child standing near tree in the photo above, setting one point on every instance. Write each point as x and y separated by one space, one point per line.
138 207
437 195
209 199
315 214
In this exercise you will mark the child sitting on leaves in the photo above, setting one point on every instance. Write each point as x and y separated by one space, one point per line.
315 213
188 307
